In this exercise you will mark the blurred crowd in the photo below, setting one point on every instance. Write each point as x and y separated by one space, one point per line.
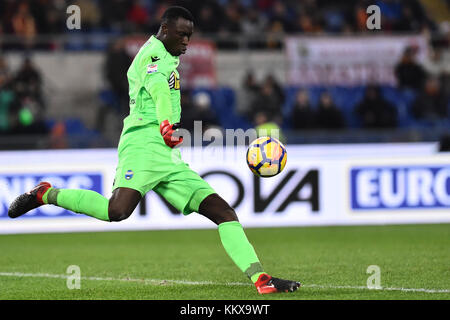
261 102
262 21
429 87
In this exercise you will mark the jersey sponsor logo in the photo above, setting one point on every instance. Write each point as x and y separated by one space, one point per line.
152 68
174 82
400 187
13 185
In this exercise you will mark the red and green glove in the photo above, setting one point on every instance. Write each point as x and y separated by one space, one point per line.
167 130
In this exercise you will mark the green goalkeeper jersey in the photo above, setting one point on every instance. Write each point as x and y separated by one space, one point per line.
154 86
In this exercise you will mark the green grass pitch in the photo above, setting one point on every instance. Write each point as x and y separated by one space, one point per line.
331 262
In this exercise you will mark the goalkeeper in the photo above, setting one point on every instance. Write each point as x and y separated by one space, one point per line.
148 160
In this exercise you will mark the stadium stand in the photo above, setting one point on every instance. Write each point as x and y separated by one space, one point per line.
38 28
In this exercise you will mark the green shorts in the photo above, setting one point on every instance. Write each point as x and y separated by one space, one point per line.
147 163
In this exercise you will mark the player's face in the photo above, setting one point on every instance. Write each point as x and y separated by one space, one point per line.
178 35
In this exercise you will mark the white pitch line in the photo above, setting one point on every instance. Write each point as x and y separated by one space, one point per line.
202 283
381 289
157 281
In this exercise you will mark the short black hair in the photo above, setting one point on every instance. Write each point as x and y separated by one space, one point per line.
175 12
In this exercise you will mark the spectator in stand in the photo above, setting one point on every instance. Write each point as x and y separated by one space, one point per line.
203 110
28 17
274 35
279 23
264 6
269 100
90 14
265 127
37 10
413 18
391 11
156 10
303 116
27 109
28 83
232 19
374 111
50 18
334 19
58 136
208 20
360 16
279 92
114 13
5 74
437 63
115 69
23 25
444 79
29 117
308 17
2 8
247 95
56 19
1 37
230 24
329 116
7 96
138 16
280 15
408 72
253 25
197 108
188 115
408 22
431 103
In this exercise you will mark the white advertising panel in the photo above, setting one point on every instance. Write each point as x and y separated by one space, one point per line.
348 60
321 185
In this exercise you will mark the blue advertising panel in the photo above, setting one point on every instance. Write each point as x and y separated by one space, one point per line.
400 187
12 185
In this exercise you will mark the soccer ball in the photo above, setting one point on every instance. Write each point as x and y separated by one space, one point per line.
266 157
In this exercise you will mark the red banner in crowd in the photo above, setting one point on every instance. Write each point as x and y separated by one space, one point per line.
197 67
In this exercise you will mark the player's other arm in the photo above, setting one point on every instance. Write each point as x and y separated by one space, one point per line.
158 87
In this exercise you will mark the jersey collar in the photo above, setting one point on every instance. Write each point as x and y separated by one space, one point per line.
162 47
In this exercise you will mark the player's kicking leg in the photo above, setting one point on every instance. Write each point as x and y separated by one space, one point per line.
239 248
119 207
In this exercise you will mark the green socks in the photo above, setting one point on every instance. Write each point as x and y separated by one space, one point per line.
95 205
87 202
239 249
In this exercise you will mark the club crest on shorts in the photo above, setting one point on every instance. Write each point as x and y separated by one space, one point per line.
129 174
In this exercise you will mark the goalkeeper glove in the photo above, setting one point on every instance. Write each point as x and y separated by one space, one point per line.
167 130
